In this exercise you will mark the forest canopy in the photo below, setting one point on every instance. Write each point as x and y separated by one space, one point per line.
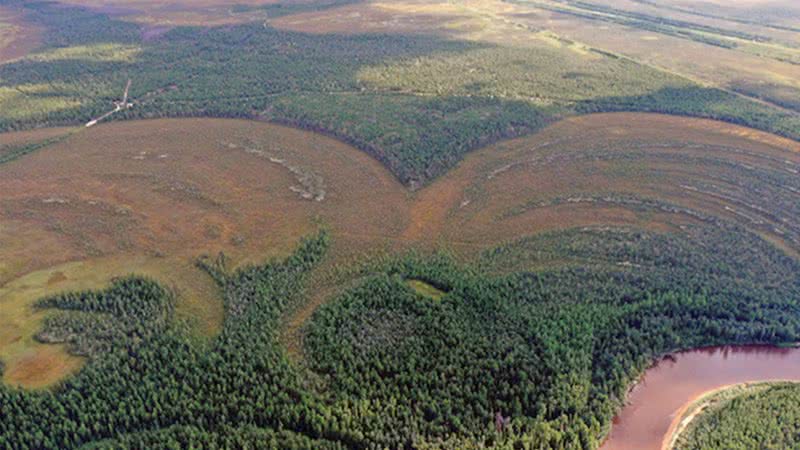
552 350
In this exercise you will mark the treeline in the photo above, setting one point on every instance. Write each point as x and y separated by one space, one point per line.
509 357
227 437
761 417
702 102
10 153
169 390
554 350
285 8
417 125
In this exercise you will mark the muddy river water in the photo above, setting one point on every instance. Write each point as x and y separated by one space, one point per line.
678 379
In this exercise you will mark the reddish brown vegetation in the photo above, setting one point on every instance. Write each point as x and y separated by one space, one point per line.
151 196
17 38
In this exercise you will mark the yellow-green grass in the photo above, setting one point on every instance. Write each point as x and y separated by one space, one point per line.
543 76
426 289
535 25
109 52
34 365
35 100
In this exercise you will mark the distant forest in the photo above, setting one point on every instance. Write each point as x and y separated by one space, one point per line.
363 89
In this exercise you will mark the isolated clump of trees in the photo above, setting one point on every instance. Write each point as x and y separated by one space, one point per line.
132 310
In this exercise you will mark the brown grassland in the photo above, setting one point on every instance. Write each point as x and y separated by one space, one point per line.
150 197
17 38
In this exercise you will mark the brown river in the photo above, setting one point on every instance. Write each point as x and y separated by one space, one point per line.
678 379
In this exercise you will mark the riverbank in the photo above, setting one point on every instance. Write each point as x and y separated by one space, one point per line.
690 418
662 399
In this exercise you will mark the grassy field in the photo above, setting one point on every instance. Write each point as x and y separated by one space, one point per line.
193 187
764 69
426 289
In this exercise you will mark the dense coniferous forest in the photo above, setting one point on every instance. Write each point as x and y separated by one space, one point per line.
552 350
763 416
529 345
161 387
131 311
556 349
357 87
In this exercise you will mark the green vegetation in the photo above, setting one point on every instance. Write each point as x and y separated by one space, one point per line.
426 289
720 37
703 102
9 152
156 386
553 349
749 19
544 76
131 311
90 53
753 416
416 103
285 8
702 33
534 344
226 438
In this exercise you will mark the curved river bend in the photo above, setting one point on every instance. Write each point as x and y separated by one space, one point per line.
678 379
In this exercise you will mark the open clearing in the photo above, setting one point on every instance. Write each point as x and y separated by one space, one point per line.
151 197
